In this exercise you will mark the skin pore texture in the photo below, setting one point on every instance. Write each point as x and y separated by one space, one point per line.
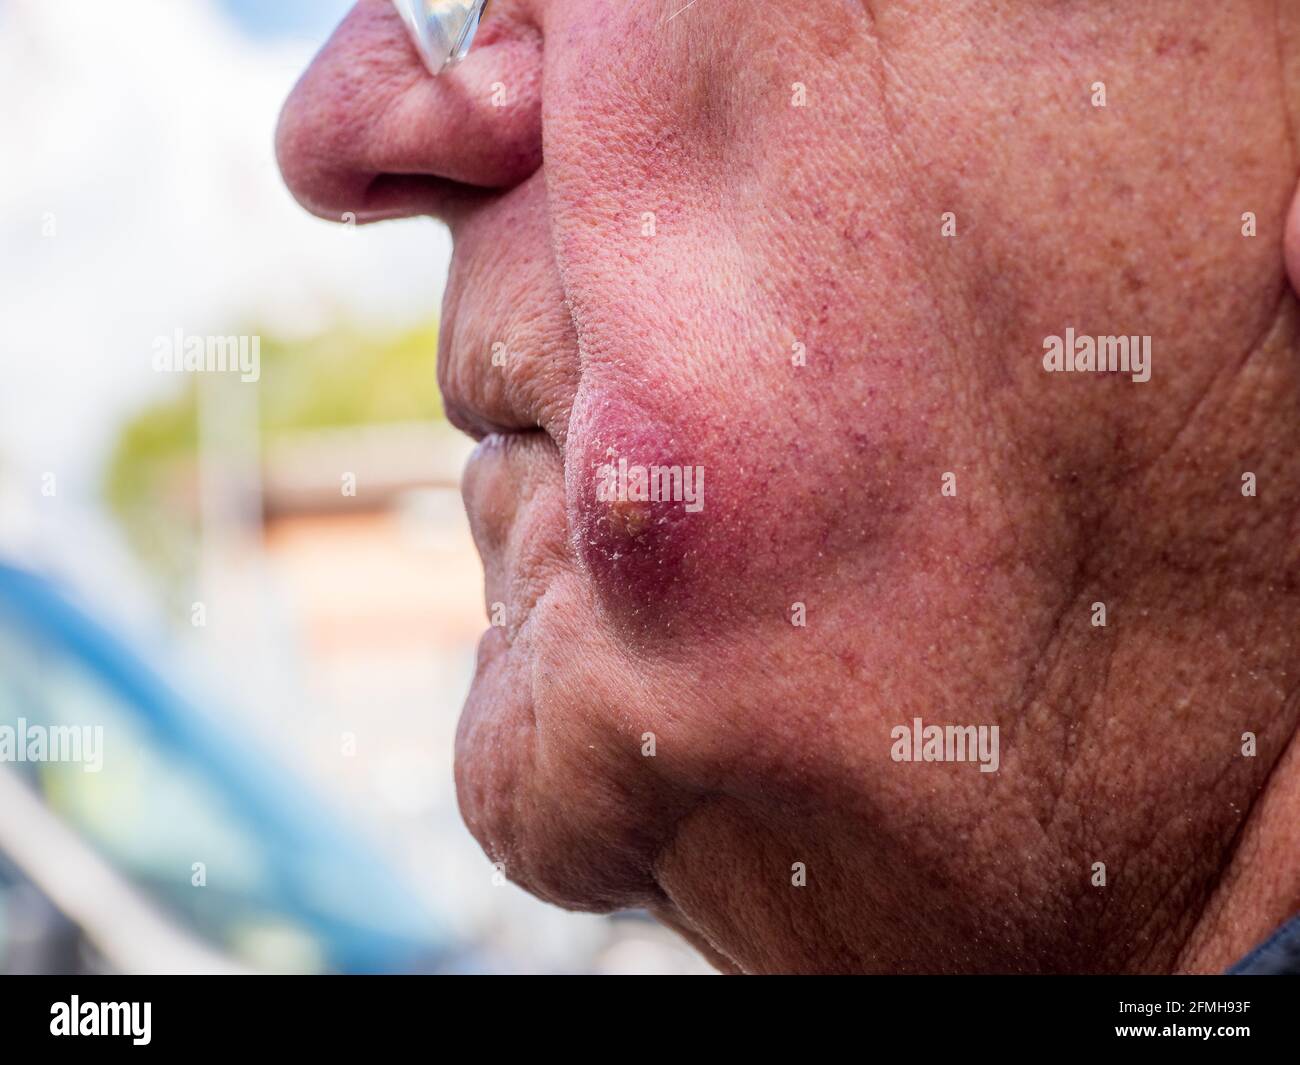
691 261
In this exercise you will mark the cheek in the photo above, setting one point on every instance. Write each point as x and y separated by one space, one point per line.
1292 243
687 517
644 505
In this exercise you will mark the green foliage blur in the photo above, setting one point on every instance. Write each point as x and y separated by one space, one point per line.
339 378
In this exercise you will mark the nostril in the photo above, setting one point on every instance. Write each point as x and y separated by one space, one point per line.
319 162
404 195
367 134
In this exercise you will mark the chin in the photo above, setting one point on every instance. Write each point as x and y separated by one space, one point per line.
550 781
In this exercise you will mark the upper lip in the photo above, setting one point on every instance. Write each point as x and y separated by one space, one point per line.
530 390
475 403
505 298
473 424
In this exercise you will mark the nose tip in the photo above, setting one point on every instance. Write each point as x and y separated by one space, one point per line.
368 133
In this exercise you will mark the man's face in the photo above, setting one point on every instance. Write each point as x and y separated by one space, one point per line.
795 264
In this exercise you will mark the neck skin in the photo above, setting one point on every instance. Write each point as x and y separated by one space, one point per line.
1214 653
1258 887
1254 858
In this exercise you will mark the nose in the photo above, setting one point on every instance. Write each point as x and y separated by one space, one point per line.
368 134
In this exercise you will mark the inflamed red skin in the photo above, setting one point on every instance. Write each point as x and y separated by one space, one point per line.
816 250
646 552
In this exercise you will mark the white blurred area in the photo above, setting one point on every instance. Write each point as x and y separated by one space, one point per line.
139 195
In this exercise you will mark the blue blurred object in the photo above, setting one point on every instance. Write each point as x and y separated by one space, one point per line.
178 784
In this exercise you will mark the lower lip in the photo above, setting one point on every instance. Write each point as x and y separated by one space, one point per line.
503 468
508 440
490 644
502 452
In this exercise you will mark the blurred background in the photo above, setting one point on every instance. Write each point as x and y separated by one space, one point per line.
264 595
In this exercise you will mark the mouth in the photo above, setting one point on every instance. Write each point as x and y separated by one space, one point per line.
513 491
503 467
501 445
484 429
508 370
508 352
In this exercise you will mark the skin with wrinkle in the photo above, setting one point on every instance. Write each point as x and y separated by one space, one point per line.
780 228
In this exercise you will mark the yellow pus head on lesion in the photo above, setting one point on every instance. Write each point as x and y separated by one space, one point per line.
627 517
625 512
